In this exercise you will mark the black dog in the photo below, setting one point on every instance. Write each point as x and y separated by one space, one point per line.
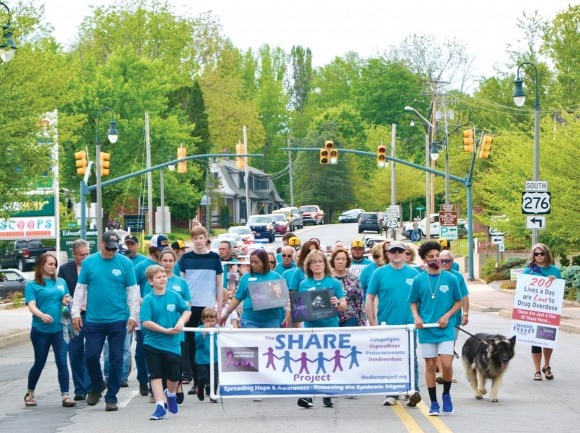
485 357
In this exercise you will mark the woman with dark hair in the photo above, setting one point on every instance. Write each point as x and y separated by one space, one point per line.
541 263
259 271
45 298
355 309
299 273
319 277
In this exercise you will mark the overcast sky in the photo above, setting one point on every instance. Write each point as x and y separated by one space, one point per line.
331 28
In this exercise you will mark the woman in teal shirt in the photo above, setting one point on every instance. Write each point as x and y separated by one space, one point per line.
319 277
45 298
259 271
542 263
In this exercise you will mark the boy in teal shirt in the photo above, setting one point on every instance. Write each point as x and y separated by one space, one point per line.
163 315
202 341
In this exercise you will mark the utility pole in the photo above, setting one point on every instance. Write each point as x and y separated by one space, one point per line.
290 173
446 152
433 132
247 174
393 174
149 178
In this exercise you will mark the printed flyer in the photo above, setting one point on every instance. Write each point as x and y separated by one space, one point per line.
537 310
320 361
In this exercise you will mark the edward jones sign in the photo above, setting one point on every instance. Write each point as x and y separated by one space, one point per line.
28 227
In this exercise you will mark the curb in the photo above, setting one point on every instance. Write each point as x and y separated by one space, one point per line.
566 327
16 338
483 308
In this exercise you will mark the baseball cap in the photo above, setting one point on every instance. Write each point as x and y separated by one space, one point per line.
111 239
294 242
132 239
178 245
357 244
396 245
160 242
443 242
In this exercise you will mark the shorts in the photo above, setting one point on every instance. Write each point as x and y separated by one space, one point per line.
431 350
162 364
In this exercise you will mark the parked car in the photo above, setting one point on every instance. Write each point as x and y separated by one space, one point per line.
350 216
244 232
298 223
370 241
281 224
233 236
312 214
215 244
369 221
287 213
12 280
22 254
262 226
434 225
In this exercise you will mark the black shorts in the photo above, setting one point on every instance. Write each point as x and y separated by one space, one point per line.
162 364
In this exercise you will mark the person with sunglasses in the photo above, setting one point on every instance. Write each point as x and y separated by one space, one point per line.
107 284
391 284
541 263
287 257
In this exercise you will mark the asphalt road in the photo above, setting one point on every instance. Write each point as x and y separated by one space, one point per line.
524 405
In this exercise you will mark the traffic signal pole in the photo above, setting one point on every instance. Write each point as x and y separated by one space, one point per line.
466 181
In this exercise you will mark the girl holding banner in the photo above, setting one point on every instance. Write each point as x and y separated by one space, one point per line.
542 263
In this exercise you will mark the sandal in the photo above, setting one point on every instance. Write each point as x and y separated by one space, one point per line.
538 376
67 402
548 372
29 399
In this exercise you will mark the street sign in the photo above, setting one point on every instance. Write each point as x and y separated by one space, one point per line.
448 219
497 240
536 222
536 203
392 223
419 208
448 233
501 248
447 208
494 232
536 185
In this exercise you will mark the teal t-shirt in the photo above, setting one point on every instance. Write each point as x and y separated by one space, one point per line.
326 283
297 277
455 267
287 275
48 300
165 310
137 259
243 294
464 293
364 261
392 287
546 272
225 279
280 269
107 281
365 276
141 268
175 283
202 347
430 309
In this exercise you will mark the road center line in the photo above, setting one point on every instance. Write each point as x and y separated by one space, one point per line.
435 420
128 398
406 418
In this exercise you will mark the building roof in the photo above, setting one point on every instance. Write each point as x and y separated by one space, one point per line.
229 172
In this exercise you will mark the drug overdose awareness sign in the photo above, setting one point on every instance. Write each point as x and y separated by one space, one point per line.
537 310
325 361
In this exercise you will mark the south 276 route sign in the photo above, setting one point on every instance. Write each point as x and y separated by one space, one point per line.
534 202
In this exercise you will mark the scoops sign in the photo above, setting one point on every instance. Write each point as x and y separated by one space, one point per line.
28 227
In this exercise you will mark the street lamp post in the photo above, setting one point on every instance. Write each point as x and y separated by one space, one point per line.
113 135
162 186
434 151
8 47
519 99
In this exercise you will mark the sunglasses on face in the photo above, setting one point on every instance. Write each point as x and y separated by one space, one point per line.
376 257
446 261
111 249
286 255
397 251
541 253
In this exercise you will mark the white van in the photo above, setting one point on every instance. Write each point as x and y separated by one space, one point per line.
434 226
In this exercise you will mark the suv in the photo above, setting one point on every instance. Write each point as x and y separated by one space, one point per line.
369 221
312 214
281 224
262 226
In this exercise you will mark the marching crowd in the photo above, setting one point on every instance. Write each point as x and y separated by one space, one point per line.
95 304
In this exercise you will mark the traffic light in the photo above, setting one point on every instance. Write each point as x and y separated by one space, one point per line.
324 156
468 141
485 150
181 166
382 156
332 152
81 162
240 161
105 163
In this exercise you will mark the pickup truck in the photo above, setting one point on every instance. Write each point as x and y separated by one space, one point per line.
22 254
312 214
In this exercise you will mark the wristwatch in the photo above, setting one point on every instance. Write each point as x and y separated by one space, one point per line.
466 314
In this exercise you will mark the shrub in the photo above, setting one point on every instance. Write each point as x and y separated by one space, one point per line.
576 261
489 272
571 276
508 285
564 260
16 298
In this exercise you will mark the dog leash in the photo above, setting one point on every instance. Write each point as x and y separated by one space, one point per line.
471 335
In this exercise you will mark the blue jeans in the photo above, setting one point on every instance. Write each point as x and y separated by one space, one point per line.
95 334
353 321
41 342
76 353
140 363
272 323
126 357
415 236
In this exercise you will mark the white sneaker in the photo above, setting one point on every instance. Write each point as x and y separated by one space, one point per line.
390 401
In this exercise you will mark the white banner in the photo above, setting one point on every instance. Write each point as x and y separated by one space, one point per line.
537 310
24 227
319 361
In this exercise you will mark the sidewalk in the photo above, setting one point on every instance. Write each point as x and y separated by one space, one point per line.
15 323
